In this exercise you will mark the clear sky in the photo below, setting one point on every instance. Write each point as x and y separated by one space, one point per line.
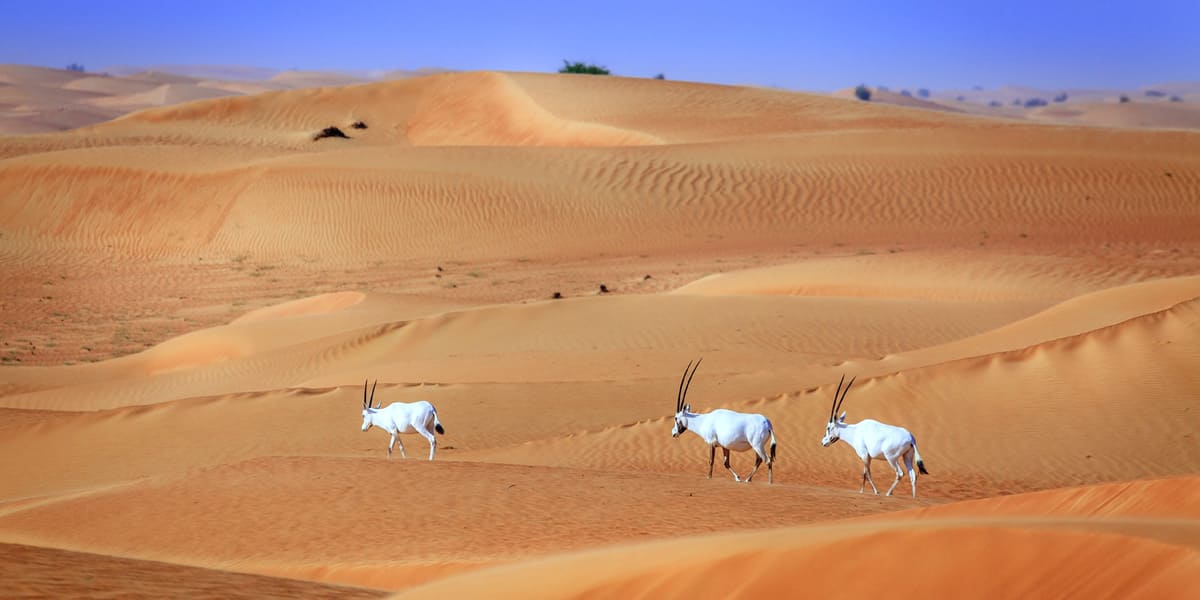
794 45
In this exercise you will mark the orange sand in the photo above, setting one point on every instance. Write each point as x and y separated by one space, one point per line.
194 294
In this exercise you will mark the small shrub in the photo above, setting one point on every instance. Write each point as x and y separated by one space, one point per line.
1123 99
583 68
660 77
330 132
1061 97
862 93
961 98
76 68
994 103
924 93
1033 102
358 125
1176 99
906 93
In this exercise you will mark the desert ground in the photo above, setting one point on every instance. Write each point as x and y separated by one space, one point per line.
196 289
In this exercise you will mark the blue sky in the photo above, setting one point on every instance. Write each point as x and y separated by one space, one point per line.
794 45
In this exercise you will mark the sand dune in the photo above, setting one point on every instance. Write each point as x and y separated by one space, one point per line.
33 572
167 93
1126 371
196 292
972 558
1133 114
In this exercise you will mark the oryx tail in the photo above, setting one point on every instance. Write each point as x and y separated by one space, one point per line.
437 425
920 463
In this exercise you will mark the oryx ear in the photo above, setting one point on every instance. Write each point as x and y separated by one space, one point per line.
842 419
687 408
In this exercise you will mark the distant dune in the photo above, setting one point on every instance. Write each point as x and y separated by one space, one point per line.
42 100
1166 106
196 290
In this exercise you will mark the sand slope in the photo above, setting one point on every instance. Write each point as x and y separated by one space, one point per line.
977 557
196 292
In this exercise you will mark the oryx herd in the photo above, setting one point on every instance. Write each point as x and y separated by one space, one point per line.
725 429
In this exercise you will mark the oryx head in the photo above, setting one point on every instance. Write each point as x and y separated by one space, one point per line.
369 410
682 408
833 430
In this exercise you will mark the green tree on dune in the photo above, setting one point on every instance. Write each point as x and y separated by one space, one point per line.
582 67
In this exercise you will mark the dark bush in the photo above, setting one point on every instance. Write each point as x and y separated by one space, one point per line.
906 93
961 98
1176 99
1124 99
330 132
1061 97
660 77
76 67
1032 102
862 93
358 125
583 68
994 103
924 93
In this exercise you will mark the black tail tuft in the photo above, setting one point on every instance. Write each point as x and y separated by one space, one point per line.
921 467
438 428
772 451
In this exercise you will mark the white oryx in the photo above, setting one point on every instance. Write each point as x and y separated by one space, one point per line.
726 428
872 439
401 417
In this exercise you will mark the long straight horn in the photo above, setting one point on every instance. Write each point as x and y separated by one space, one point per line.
372 394
364 394
679 392
839 404
683 398
832 407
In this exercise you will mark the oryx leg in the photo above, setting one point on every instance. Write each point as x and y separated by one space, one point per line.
912 475
759 457
866 477
399 442
734 473
757 461
712 457
895 463
425 433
